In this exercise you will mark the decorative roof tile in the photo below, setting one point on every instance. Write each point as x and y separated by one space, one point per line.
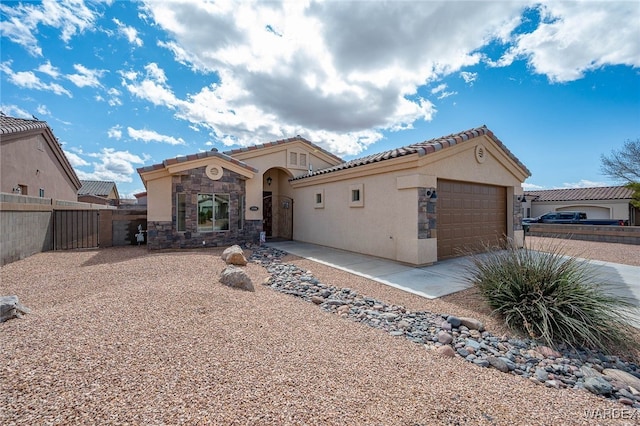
197 156
420 148
281 142
582 194
15 125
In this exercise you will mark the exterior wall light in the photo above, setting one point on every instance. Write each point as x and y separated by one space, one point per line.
269 180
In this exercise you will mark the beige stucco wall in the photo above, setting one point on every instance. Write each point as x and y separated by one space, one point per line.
159 199
386 226
28 160
274 161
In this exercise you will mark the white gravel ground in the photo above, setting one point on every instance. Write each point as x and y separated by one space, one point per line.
124 336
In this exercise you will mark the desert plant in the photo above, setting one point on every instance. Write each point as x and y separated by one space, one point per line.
552 298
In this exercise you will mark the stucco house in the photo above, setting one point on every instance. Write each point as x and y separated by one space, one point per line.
608 202
99 192
32 161
416 204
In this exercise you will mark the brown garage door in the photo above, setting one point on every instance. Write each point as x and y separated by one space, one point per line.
469 214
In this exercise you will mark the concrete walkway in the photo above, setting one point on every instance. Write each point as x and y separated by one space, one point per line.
446 276
431 282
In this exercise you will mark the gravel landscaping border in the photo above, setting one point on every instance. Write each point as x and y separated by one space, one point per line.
123 335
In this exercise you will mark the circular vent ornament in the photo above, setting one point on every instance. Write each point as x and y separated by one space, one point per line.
213 172
481 153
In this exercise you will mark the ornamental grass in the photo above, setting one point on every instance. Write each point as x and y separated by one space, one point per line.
553 298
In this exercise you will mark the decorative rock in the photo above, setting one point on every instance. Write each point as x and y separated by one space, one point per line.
446 350
472 323
481 362
445 338
541 375
625 401
234 256
622 376
548 352
235 277
10 307
598 386
589 372
562 367
454 321
498 364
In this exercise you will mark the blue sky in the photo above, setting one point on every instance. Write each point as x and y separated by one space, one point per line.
128 84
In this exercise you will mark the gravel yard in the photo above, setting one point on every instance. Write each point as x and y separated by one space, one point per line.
122 335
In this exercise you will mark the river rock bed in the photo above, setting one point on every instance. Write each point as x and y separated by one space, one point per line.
608 376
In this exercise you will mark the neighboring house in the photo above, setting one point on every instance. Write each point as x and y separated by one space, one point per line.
609 202
32 161
99 192
141 198
416 204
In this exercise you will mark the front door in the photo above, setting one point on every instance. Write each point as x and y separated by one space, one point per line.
267 213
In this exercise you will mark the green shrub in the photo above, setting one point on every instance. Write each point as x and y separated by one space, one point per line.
552 298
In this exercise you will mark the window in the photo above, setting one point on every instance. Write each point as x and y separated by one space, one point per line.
293 158
319 199
181 209
303 160
213 212
357 195
41 192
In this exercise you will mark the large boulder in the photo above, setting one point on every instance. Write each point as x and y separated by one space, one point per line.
234 256
236 278
10 307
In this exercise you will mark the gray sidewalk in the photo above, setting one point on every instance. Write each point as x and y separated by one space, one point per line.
446 276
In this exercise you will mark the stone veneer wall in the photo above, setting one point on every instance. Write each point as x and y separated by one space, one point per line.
517 213
426 215
163 234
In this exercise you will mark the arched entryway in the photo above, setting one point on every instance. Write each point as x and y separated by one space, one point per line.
277 204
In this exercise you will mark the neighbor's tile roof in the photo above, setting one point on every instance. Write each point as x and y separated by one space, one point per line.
198 156
578 194
96 187
420 148
15 125
281 142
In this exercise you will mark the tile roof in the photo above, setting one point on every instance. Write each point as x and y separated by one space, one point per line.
192 157
96 187
420 148
281 142
15 125
578 194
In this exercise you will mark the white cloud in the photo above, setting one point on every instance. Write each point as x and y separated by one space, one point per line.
23 19
152 87
85 77
28 80
43 110
112 165
584 183
130 33
15 111
577 37
152 136
75 159
115 132
345 72
469 77
49 69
